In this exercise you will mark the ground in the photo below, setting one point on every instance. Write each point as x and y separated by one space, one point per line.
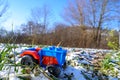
77 59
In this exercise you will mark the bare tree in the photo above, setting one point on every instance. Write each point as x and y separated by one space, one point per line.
102 12
3 9
74 12
94 13
41 16
98 11
37 23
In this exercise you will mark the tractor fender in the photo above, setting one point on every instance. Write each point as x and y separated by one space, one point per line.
34 54
38 49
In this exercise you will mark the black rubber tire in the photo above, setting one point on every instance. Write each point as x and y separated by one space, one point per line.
54 70
64 65
27 60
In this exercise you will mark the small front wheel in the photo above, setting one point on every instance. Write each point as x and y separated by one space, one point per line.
28 61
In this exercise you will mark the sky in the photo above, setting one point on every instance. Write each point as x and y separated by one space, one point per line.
19 11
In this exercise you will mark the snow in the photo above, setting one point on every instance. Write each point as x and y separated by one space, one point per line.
113 78
76 73
77 56
40 77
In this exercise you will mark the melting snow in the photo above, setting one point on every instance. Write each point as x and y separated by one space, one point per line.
72 55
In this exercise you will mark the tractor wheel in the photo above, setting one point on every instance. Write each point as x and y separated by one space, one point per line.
54 70
28 61
64 65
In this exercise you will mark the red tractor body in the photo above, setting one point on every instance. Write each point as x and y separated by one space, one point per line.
49 56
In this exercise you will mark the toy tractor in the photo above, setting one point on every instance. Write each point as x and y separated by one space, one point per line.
51 58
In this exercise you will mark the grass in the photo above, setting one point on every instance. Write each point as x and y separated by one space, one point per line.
4 55
7 54
105 69
108 66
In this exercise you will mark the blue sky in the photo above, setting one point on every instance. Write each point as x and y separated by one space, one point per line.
19 10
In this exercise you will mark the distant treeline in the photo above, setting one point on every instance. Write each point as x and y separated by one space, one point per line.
68 36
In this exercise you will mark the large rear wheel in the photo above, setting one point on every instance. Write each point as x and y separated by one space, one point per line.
54 70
